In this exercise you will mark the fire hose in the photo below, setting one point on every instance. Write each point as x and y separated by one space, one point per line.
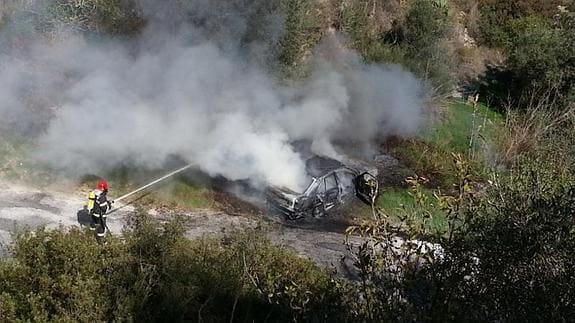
148 185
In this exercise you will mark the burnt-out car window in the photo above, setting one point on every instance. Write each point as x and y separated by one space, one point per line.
345 179
326 185
320 187
331 195
330 183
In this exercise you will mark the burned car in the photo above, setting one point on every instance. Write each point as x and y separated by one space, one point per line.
332 184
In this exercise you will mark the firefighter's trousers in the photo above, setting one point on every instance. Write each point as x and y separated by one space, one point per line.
99 221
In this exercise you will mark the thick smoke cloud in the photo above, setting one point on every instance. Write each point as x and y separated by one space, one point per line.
178 92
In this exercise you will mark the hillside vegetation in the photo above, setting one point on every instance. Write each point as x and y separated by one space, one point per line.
492 181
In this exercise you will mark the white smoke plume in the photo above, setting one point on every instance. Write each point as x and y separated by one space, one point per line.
179 92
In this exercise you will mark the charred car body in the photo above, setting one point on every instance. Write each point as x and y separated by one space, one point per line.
332 184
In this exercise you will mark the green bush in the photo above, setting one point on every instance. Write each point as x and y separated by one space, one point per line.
56 275
515 259
425 25
153 273
352 19
540 65
303 31
416 40
496 15
509 253
117 17
512 258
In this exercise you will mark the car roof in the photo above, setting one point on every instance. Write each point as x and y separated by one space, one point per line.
318 166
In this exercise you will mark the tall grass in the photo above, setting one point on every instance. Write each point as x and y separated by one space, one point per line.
472 132
539 132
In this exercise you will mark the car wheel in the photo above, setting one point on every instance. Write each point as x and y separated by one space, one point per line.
318 211
295 216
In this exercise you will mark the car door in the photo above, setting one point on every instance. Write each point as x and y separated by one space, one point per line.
346 183
366 188
328 192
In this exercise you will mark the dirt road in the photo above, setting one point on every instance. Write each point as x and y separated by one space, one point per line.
25 207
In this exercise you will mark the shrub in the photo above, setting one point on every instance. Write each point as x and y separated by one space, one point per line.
119 17
56 275
415 39
155 274
540 64
496 15
303 30
515 260
423 37
509 253
425 24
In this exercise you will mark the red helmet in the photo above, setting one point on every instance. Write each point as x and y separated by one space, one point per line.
103 185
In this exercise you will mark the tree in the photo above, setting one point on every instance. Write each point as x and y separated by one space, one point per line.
509 255
540 64
496 15
515 261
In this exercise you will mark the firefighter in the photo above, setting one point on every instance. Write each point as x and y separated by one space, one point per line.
98 205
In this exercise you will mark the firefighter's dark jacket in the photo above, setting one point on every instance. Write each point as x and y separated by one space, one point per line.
98 202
